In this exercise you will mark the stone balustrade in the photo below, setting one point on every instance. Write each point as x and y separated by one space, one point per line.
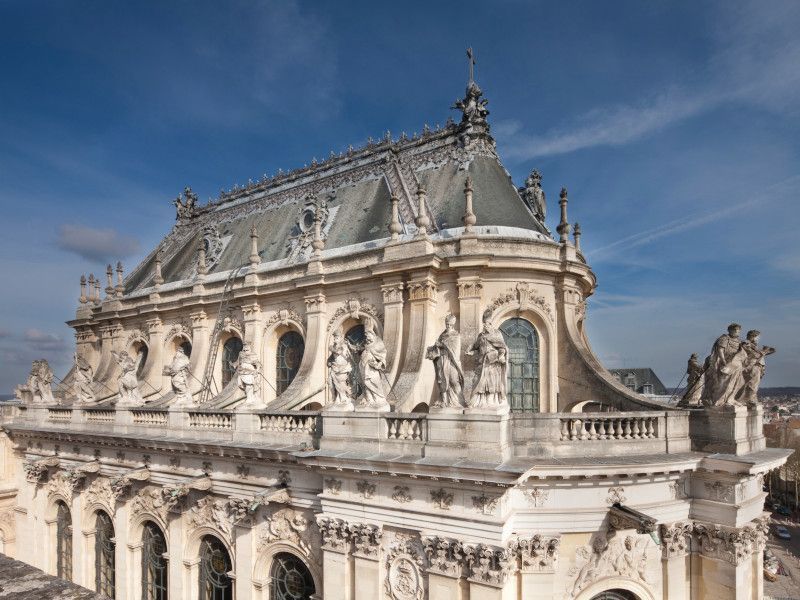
290 422
211 420
482 437
591 427
405 428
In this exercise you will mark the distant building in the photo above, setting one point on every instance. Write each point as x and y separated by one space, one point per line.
644 381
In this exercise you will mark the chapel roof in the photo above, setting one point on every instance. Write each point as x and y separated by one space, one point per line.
354 190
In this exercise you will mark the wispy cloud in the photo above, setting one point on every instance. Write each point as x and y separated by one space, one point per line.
755 64
101 245
43 342
771 194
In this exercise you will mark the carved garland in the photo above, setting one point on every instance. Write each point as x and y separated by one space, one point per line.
356 308
524 297
284 317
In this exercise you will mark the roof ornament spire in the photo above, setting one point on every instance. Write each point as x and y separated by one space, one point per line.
186 208
158 278
422 221
109 281
576 233
395 228
83 299
563 226
202 269
472 106
255 258
469 216
317 243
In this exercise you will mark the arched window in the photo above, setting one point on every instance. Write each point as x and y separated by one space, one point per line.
291 579
230 354
356 336
215 564
187 348
290 353
154 563
616 595
141 359
522 385
104 547
63 541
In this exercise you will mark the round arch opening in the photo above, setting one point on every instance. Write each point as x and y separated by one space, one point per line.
290 578
523 368
215 568
288 357
154 562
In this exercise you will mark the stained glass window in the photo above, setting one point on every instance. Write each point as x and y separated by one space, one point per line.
230 354
291 579
522 380
104 547
154 563
63 541
290 353
215 564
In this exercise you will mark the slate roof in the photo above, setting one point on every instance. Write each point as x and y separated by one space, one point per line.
21 581
642 376
356 188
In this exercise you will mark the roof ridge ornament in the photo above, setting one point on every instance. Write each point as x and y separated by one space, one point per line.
472 106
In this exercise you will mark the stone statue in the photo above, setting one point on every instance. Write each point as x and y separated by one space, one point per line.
754 367
248 370
446 357
128 381
490 387
84 375
185 209
723 369
38 389
694 383
372 364
179 375
340 366
533 195
472 106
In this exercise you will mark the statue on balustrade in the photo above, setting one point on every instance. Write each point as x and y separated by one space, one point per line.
490 388
754 367
724 369
38 389
179 375
694 383
248 371
340 366
446 357
373 371
82 384
128 381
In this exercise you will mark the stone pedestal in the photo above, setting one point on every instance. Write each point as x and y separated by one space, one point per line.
727 430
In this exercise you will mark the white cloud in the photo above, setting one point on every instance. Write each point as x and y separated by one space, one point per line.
101 245
43 342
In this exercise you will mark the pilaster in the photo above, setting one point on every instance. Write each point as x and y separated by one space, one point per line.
470 291
675 562
200 342
392 291
337 571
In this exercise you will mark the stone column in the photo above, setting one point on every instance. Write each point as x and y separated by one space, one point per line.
337 571
675 545
312 368
366 557
416 381
392 290
200 342
470 290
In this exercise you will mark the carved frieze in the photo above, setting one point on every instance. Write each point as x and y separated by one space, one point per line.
401 494
333 486
604 557
212 512
64 483
721 492
106 492
537 497
35 472
287 524
366 489
157 501
442 498
485 504
731 545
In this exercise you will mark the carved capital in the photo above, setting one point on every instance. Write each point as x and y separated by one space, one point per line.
489 564
315 303
335 534
154 326
731 545
251 312
675 539
537 554
445 556
392 293
366 539
198 319
422 289
469 288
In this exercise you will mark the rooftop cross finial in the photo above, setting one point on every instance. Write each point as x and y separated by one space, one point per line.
471 57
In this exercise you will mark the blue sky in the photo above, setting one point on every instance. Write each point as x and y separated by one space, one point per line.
674 125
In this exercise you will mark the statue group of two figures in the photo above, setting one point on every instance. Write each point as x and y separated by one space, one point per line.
353 366
731 374
489 391
127 380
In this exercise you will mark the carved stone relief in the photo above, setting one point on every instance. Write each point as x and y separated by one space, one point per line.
445 556
405 578
489 564
621 556
442 498
355 308
537 497
485 504
523 296
537 554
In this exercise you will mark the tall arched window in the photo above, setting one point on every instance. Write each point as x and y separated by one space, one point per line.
63 541
154 563
215 564
356 336
291 579
616 595
187 347
141 359
290 352
230 354
522 385
104 547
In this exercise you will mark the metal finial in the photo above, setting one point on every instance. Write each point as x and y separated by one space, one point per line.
471 58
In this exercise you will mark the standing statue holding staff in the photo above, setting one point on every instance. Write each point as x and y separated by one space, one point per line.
340 367
723 369
490 387
84 375
446 357
754 367
248 371
373 371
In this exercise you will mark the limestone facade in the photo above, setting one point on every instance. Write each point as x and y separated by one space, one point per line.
235 448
